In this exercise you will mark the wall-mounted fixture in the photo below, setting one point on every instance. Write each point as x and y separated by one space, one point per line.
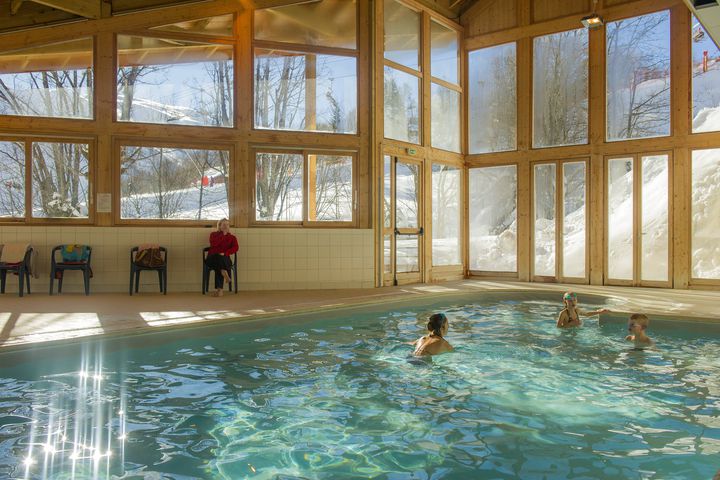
593 20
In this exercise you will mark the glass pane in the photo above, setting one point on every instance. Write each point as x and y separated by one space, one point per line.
545 220
492 90
445 127
174 183
387 192
387 254
174 82
705 80
407 253
407 187
12 179
560 89
278 187
493 219
446 215
221 26
332 189
443 52
706 214
655 242
49 81
638 77
402 34
574 220
60 187
325 23
402 120
305 91
620 218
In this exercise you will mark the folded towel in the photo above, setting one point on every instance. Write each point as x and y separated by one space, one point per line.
14 252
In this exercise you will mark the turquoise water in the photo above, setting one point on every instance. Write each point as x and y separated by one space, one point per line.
336 398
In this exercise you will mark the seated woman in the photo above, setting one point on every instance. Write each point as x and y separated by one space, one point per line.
222 245
434 343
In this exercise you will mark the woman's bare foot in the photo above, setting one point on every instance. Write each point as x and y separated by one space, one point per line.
226 276
219 293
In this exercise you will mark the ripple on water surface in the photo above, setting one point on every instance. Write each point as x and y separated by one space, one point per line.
341 398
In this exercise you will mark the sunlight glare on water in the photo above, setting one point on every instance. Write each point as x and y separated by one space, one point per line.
341 398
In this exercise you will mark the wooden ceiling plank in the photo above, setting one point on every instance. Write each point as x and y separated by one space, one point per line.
15 6
85 8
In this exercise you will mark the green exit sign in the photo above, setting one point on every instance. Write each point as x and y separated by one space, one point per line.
411 151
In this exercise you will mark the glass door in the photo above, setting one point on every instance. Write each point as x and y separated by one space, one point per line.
402 221
638 220
559 221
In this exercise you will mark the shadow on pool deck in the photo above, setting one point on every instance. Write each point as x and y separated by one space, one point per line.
40 318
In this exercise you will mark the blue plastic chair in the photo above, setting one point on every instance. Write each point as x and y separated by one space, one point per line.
82 265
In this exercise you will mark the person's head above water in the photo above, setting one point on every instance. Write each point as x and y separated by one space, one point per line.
570 298
638 321
437 324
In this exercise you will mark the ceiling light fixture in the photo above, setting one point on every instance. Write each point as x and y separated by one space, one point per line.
593 20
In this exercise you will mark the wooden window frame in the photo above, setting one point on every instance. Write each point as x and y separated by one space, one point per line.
227 41
120 142
256 44
28 219
560 222
637 280
305 222
490 274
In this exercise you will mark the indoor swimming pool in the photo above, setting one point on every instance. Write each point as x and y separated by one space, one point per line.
336 396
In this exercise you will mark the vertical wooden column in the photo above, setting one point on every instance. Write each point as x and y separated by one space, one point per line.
310 91
367 153
312 187
524 140
244 60
104 112
377 111
596 185
426 141
681 101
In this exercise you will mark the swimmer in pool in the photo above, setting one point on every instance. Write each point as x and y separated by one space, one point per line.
434 343
570 315
637 325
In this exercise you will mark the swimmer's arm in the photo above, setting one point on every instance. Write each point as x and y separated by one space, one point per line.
594 312
630 338
562 319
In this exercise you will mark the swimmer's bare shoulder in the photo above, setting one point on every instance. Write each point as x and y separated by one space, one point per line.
562 319
431 345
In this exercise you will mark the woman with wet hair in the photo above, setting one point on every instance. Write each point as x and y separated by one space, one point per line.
434 342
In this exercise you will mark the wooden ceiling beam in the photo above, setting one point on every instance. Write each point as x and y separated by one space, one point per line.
85 8
15 6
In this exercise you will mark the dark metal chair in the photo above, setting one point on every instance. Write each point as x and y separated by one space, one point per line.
206 273
22 269
60 267
135 270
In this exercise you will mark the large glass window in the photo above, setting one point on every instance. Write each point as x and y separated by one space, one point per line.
407 199
305 91
330 188
545 219
402 106
326 23
279 187
402 34
445 126
280 195
174 81
705 224
446 215
12 179
60 183
444 53
167 183
705 81
49 81
492 91
620 218
654 218
560 89
638 77
574 220
493 219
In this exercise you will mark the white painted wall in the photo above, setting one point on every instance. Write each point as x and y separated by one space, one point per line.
269 258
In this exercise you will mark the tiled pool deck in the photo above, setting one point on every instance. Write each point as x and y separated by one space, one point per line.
40 318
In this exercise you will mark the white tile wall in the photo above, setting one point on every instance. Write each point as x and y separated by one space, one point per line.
269 258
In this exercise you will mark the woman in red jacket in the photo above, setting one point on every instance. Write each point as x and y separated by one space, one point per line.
222 245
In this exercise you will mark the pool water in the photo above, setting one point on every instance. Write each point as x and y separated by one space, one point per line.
337 398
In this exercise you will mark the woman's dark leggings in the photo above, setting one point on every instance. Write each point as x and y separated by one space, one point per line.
219 263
